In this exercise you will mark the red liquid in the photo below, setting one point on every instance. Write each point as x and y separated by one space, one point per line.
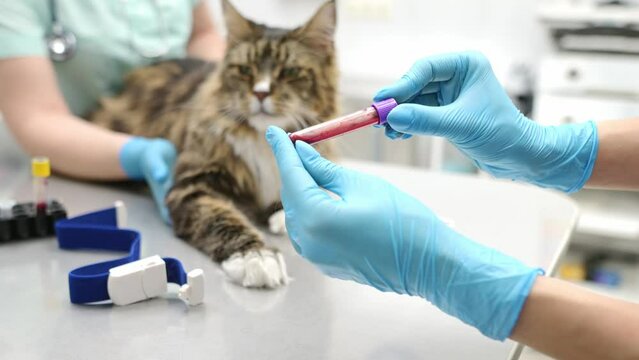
41 207
336 127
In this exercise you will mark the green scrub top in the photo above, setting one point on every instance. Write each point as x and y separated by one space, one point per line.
112 35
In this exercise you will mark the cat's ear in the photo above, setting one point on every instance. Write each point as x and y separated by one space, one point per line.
238 28
319 31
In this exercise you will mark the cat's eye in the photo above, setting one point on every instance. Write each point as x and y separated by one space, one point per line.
291 72
244 70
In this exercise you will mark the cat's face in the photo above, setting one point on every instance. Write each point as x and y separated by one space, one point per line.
279 77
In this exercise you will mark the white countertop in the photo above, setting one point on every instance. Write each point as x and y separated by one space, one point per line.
315 317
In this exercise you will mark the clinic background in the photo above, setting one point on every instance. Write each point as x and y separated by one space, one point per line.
378 40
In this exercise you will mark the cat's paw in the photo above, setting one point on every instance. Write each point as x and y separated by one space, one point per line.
277 223
263 268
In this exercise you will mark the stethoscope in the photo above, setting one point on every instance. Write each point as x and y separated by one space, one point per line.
62 43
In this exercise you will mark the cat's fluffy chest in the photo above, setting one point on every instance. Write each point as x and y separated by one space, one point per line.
257 155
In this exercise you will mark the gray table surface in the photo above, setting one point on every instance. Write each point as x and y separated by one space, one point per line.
315 317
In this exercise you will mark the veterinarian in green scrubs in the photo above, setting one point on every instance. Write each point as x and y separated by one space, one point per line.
43 101
377 235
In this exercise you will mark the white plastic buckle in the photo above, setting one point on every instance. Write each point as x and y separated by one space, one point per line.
138 280
120 214
193 291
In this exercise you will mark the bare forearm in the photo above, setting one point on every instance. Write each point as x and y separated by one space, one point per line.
76 148
209 46
567 322
205 42
39 118
617 164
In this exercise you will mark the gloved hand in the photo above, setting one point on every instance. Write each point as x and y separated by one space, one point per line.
379 236
458 97
153 161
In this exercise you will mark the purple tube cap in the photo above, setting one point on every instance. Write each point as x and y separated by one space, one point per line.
383 108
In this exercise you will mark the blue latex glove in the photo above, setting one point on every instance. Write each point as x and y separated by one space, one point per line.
379 236
153 161
458 97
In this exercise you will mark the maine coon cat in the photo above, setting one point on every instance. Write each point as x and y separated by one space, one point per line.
225 178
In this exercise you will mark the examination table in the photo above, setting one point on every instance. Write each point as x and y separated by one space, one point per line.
315 317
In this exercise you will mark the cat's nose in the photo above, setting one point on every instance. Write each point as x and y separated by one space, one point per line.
261 95
262 89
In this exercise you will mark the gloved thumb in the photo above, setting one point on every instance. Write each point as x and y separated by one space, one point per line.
159 190
394 134
325 173
158 160
418 119
155 167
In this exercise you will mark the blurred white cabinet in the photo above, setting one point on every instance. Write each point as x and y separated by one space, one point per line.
581 87
558 109
590 73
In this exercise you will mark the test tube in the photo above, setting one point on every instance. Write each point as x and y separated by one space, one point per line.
23 220
6 214
40 170
6 208
373 115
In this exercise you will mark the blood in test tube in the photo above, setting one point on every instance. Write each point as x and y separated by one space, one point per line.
41 170
374 115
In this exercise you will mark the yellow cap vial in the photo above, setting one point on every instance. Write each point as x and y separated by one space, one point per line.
40 167
575 272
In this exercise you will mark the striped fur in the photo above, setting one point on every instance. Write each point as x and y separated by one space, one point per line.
225 177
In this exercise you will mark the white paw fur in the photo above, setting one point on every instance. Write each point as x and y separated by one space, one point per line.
257 268
277 223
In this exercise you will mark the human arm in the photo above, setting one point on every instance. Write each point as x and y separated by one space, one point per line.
378 236
39 118
458 97
205 41
618 156
568 322
42 123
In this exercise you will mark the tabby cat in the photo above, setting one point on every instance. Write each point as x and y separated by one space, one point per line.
225 177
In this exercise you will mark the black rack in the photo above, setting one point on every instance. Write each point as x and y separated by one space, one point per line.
27 222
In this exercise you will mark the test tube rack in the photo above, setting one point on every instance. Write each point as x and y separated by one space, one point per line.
23 221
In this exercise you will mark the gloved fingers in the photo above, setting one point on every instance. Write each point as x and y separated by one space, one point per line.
428 96
296 181
169 154
427 100
166 217
419 77
431 88
418 119
159 189
154 165
394 134
164 150
325 173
